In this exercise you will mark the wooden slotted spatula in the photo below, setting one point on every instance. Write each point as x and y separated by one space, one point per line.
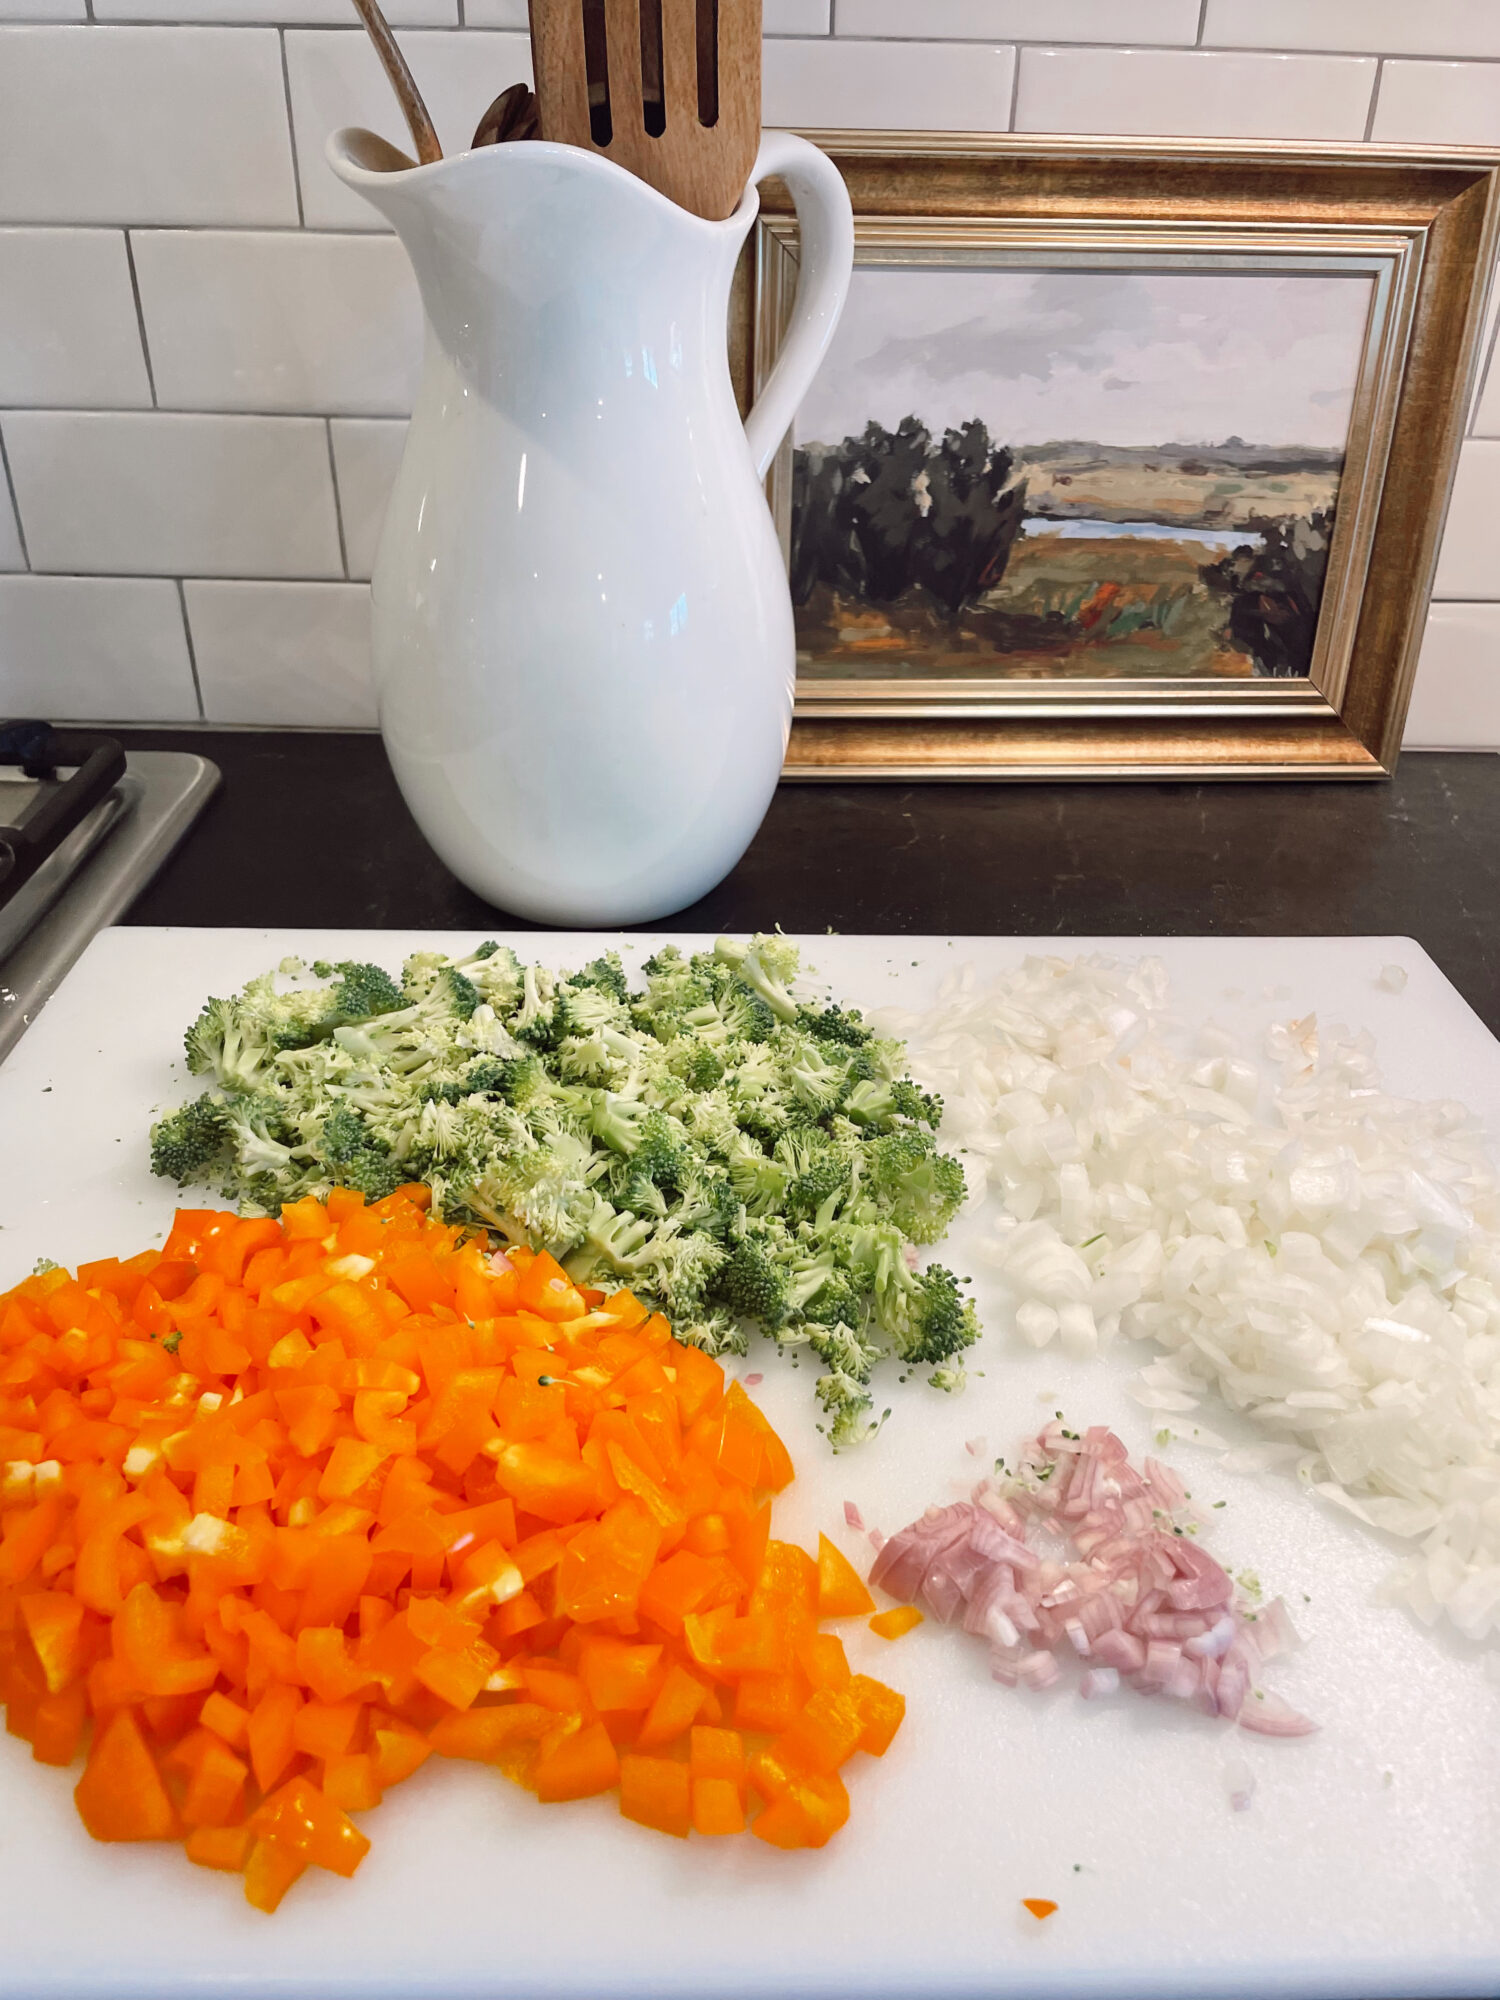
668 89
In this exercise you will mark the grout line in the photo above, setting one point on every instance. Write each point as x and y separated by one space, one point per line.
165 576
338 503
461 21
291 127
15 505
1202 24
1015 89
1374 100
140 318
187 633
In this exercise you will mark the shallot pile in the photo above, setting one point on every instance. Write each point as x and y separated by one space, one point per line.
1324 1254
1080 1554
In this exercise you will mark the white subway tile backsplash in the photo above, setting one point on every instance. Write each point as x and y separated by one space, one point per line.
1469 567
12 555
890 86
366 455
283 653
68 328
781 17
797 17
1125 21
164 495
1188 93
336 80
94 649
43 10
1456 702
1487 414
143 125
1376 27
285 321
285 13
1440 103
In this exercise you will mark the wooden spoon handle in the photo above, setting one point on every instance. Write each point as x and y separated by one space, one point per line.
403 83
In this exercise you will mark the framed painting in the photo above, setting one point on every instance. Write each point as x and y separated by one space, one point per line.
1129 458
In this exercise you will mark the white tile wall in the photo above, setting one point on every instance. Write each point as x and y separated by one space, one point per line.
279 321
1166 90
94 649
12 555
283 652
1456 702
282 329
154 495
1122 21
289 13
1431 101
144 125
69 333
1487 416
797 17
336 79
43 10
366 455
1388 27
1470 563
894 86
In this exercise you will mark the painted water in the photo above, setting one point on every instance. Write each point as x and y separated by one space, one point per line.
1145 531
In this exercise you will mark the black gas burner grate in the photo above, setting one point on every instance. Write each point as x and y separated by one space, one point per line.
74 771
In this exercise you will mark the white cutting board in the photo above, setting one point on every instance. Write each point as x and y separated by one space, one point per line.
1368 1864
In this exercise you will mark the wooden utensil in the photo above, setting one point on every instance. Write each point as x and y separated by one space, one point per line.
668 89
423 132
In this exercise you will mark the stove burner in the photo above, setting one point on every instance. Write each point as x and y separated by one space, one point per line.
97 763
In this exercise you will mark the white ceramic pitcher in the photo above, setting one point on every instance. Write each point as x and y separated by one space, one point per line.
583 641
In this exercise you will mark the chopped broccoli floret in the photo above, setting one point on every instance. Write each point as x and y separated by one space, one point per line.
835 1024
364 990
734 1155
752 1286
187 1141
920 1188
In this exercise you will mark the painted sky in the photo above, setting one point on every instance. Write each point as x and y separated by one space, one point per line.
1112 357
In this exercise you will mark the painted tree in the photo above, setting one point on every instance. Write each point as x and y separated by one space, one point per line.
1275 592
889 512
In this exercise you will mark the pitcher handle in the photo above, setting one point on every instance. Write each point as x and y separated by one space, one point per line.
826 221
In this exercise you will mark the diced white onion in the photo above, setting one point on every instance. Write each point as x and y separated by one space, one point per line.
1323 1254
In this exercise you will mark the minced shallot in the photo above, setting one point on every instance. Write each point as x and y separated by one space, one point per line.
1081 1557
1323 1253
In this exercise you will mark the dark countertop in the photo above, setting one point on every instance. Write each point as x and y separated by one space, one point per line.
309 829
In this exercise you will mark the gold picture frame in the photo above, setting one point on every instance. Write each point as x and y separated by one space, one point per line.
1421 222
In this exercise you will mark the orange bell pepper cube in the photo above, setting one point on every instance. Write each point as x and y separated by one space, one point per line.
121 1795
841 1592
270 1870
881 1711
893 1624
577 1766
656 1792
718 1806
300 1820
226 1847
680 1699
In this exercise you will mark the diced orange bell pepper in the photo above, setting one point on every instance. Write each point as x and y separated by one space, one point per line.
718 1806
841 1592
121 1795
893 1624
881 1711
680 1699
656 1792
579 1765
299 1819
